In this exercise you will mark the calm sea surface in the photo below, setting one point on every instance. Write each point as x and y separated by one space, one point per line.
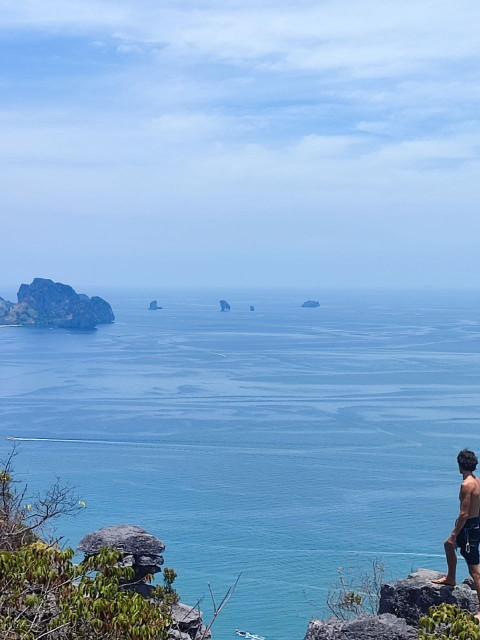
282 443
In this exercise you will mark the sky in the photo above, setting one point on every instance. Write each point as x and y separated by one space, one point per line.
230 143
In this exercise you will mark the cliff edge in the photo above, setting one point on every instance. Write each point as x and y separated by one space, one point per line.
402 604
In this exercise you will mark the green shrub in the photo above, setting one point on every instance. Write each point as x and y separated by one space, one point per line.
43 594
448 622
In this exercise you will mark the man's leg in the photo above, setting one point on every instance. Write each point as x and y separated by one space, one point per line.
450 578
475 573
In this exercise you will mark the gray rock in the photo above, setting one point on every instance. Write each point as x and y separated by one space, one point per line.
45 303
186 616
147 561
127 538
365 627
189 620
224 306
411 597
102 310
176 634
469 582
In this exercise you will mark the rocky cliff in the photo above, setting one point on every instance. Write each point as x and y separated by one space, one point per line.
402 604
142 551
45 303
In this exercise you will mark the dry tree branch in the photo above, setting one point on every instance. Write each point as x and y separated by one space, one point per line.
217 610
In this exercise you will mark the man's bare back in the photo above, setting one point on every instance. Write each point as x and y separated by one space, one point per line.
471 485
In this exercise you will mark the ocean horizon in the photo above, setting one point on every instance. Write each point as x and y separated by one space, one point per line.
279 444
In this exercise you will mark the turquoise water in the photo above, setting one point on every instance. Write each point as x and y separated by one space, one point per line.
282 443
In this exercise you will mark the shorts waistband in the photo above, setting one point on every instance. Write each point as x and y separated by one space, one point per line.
472 521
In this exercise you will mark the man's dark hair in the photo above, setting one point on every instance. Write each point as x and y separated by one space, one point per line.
467 460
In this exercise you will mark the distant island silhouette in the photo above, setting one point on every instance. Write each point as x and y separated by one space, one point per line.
224 306
45 303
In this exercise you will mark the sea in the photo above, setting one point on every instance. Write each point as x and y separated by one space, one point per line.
280 445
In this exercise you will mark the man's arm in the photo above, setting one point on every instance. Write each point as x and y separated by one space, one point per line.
465 500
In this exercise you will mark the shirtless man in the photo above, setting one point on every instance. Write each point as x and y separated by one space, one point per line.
466 533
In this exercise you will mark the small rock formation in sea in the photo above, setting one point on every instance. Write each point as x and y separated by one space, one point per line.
45 303
224 306
142 551
310 304
252 308
402 604
154 306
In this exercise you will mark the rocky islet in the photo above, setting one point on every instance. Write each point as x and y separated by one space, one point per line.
45 303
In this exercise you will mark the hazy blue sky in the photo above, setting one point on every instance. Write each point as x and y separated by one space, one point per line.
170 142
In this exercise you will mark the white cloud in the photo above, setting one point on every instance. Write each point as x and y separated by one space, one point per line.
269 125
129 48
367 38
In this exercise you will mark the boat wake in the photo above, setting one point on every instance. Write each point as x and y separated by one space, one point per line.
246 634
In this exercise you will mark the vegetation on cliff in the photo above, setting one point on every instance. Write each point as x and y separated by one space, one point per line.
448 622
44 595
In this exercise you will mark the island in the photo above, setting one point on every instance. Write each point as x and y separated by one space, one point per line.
45 303
252 308
224 306
311 304
154 306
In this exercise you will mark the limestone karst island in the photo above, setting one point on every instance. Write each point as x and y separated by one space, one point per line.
45 303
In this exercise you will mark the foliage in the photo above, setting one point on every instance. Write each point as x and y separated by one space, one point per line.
24 517
356 590
165 595
44 595
447 621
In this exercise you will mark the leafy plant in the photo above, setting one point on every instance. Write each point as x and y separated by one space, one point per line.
447 621
43 594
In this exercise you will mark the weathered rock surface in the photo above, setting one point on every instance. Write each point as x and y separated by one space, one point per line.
46 303
187 620
311 304
411 597
402 604
141 551
384 627
224 306
127 538
154 306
